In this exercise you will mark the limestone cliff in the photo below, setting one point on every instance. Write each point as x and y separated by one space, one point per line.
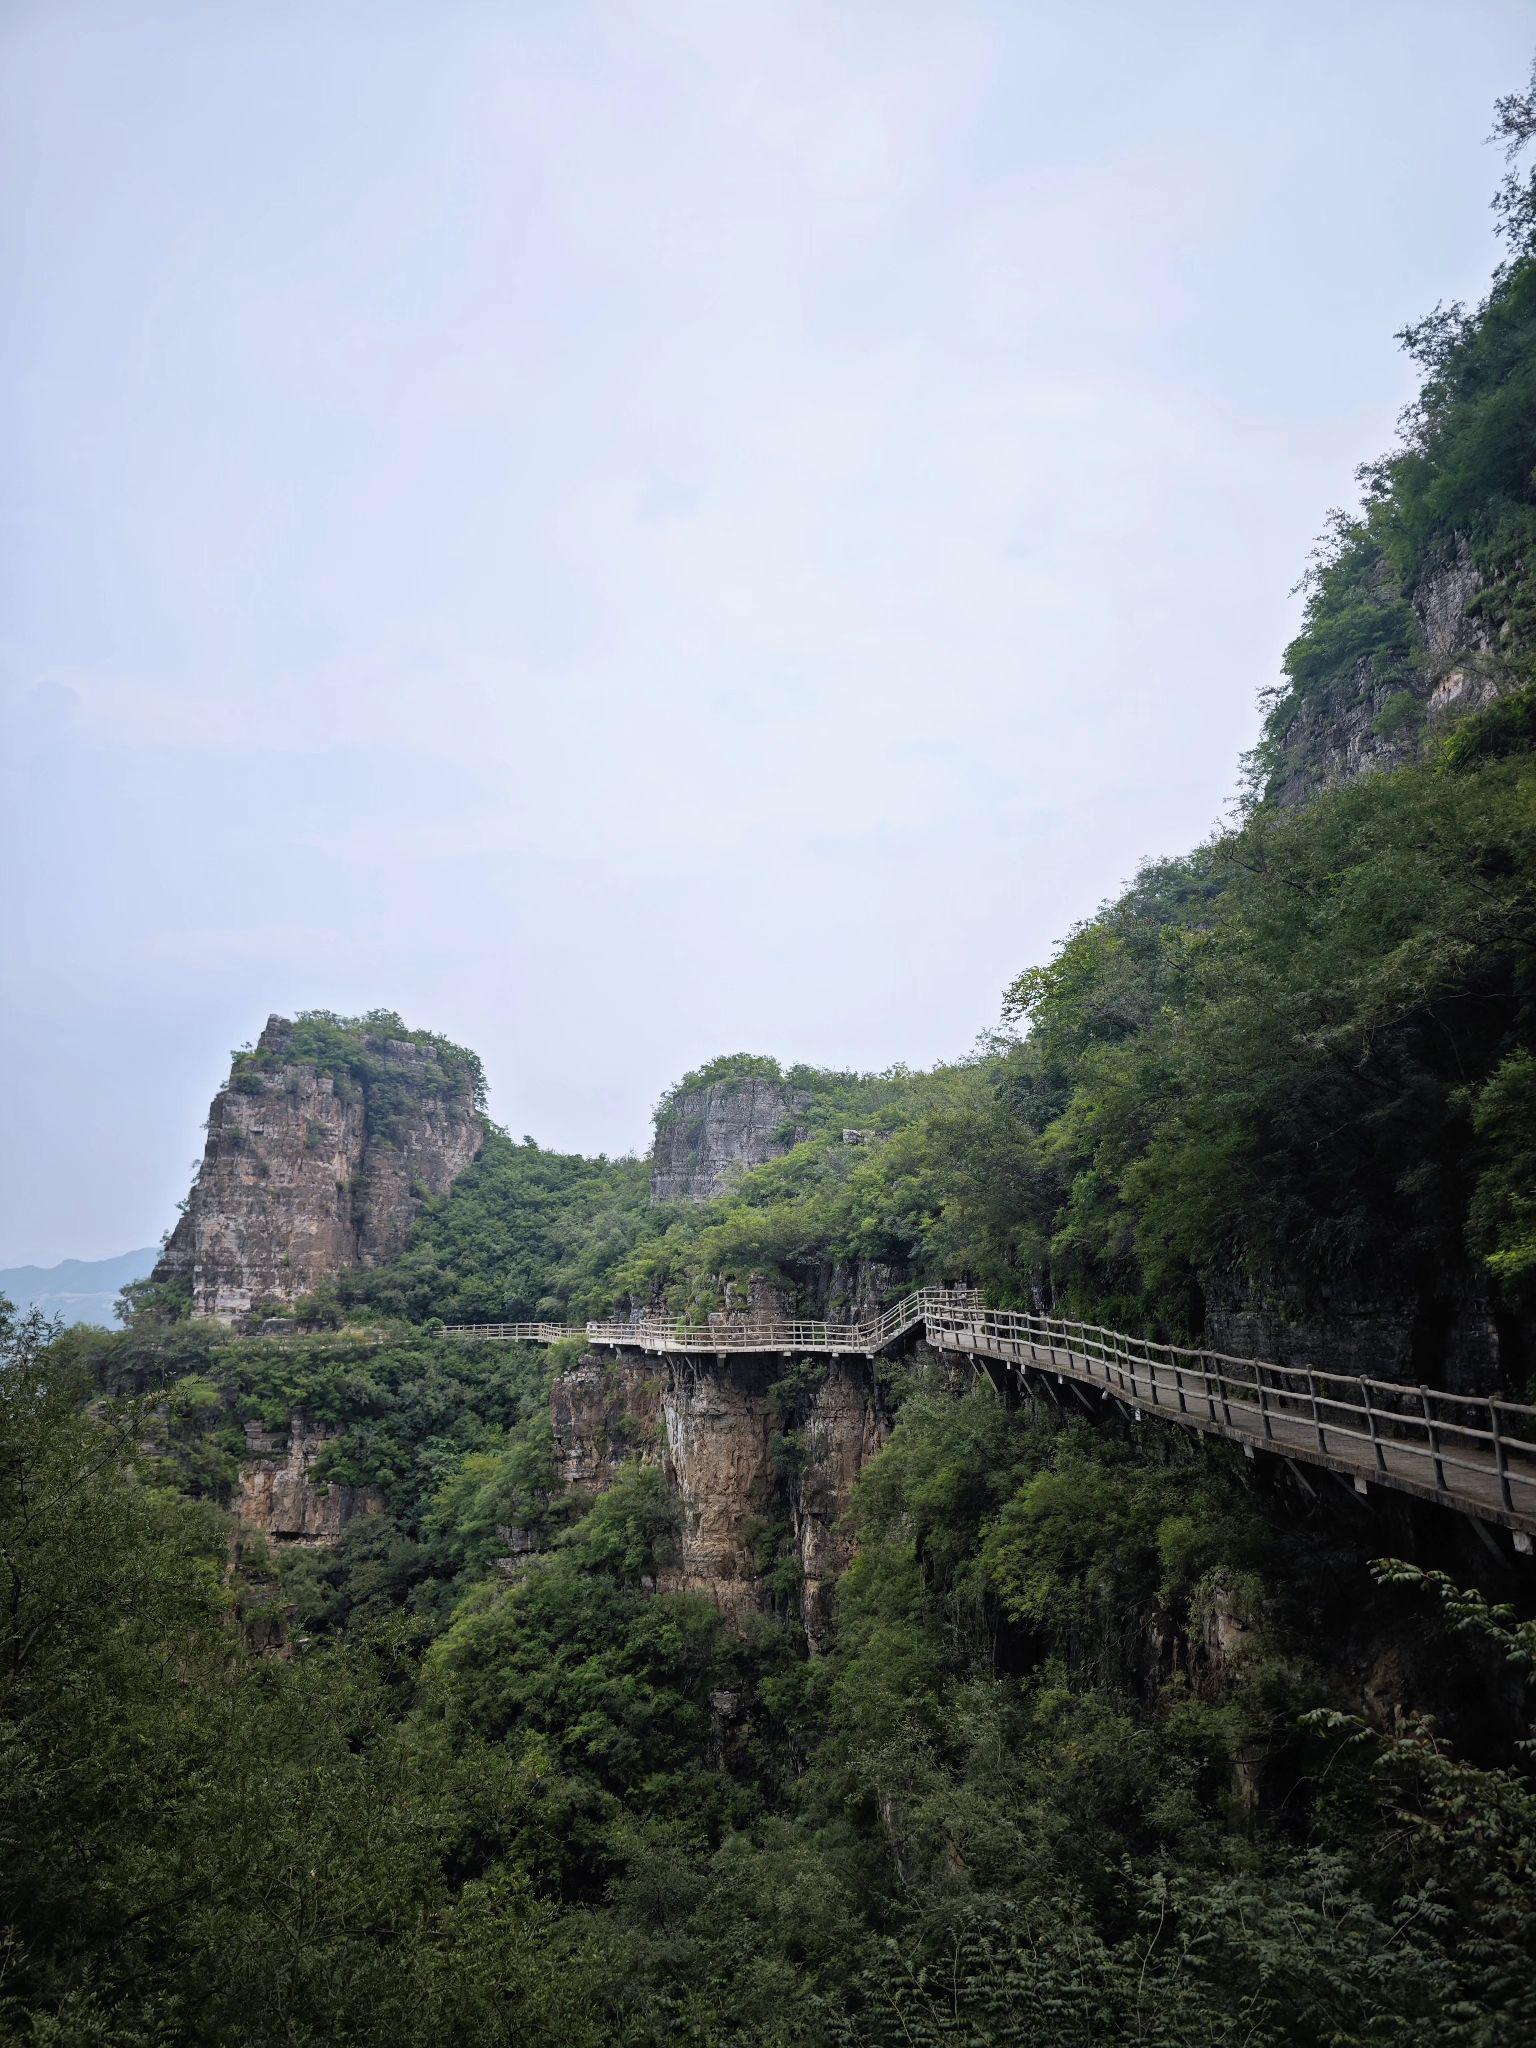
845 1424
604 1410
1378 712
320 1148
763 1454
707 1135
1388 1326
280 1497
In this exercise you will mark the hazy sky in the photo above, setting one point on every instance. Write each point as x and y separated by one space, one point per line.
629 532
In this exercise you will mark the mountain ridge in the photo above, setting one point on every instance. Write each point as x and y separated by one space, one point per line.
81 1290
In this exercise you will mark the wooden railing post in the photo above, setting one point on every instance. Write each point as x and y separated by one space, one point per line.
1265 1417
1370 1423
1434 1443
1317 1427
1500 1457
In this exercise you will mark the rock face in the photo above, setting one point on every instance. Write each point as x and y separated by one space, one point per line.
281 1499
762 1450
706 1136
1390 1331
763 1454
320 1148
858 1289
1367 720
604 1411
843 1429
718 1427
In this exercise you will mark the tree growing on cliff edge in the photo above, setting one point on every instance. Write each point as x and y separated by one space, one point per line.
1515 201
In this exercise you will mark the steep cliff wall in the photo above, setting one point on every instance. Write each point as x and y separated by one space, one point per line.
763 1453
1394 1328
320 1148
1378 711
706 1136
844 1424
604 1410
280 1496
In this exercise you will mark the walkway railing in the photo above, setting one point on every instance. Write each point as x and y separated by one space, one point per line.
1471 1452
517 1333
1467 1450
769 1333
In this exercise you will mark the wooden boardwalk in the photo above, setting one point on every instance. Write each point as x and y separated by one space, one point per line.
1465 1451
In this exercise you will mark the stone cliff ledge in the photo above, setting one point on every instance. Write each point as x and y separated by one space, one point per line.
321 1147
707 1136
763 1454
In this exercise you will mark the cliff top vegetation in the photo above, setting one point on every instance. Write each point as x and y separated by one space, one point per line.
360 1051
1460 487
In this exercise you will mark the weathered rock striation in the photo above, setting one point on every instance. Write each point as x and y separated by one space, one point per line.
280 1497
763 1454
321 1147
1374 716
1393 1327
604 1409
845 1424
706 1136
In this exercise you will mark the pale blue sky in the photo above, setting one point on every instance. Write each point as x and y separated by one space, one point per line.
627 532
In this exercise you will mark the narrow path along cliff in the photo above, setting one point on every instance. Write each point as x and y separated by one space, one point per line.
1477 1455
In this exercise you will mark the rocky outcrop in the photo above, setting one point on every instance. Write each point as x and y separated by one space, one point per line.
718 1429
845 1424
763 1454
280 1497
755 1300
1387 1331
320 1149
763 1450
706 1136
605 1409
857 1290
1377 716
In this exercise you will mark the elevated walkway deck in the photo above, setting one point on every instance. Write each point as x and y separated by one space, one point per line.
1464 1451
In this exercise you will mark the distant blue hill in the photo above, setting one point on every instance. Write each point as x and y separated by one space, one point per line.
79 1290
